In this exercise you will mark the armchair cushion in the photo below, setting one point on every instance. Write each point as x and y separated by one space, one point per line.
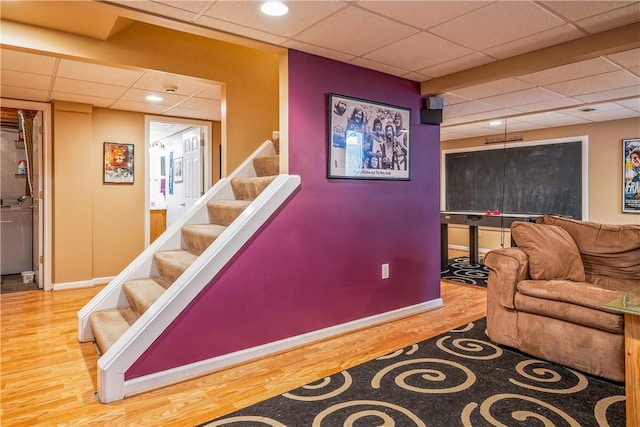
553 255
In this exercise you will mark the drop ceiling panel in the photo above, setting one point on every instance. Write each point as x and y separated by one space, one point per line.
143 107
24 93
628 59
355 31
582 10
85 71
422 15
522 97
26 80
82 99
536 41
240 30
461 63
493 88
159 8
613 19
418 51
80 87
514 20
301 15
159 81
573 71
22 61
597 83
138 95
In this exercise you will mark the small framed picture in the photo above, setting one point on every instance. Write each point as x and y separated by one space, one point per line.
118 163
368 140
177 169
631 175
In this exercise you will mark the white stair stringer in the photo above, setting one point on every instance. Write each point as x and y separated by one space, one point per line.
113 364
112 295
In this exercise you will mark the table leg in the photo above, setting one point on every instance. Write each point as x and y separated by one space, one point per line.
473 244
444 245
632 368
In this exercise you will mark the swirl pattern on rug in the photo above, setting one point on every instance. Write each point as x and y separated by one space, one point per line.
459 378
461 270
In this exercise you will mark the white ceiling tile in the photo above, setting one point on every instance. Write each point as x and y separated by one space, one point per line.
422 14
465 108
240 30
383 68
82 99
597 83
576 70
188 5
496 87
194 113
26 80
213 91
21 61
97 73
547 105
606 95
575 10
138 95
158 82
355 31
318 51
24 93
500 21
302 14
633 104
533 42
627 59
418 51
139 106
79 87
489 115
160 9
615 18
522 97
461 63
201 103
451 99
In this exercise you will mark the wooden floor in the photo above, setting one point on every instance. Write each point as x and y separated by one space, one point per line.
48 378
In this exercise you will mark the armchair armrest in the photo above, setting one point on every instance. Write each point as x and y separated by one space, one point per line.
507 267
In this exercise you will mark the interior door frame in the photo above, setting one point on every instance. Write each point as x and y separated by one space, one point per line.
205 155
45 205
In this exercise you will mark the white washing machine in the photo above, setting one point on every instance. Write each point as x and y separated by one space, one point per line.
16 230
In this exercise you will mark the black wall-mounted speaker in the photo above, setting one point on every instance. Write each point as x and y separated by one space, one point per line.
432 113
430 117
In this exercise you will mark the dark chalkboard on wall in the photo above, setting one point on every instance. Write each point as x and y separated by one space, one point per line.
523 178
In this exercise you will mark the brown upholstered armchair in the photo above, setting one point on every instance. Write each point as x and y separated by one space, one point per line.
545 296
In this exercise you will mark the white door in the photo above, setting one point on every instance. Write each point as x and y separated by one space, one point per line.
192 168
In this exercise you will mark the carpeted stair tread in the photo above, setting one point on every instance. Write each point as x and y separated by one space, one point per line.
266 165
198 237
224 212
249 188
109 325
171 264
141 293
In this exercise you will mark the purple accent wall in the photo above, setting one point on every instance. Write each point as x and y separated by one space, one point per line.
317 263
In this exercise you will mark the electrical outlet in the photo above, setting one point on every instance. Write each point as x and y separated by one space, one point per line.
385 271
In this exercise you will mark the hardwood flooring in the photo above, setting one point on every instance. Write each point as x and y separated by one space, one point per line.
48 378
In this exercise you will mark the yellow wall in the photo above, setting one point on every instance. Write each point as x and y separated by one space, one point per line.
97 230
117 209
605 174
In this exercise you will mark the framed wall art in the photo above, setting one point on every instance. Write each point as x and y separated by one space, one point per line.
368 140
118 163
631 175
177 169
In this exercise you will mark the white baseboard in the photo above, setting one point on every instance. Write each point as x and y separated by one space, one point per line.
182 373
81 284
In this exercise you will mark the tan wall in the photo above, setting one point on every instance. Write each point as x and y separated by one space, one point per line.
73 166
605 174
99 229
117 209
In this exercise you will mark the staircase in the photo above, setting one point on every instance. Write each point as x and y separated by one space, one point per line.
137 305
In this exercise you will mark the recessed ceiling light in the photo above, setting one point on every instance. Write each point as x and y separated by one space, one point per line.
153 98
274 8
495 123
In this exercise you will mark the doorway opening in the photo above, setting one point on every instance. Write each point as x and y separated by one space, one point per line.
178 169
25 193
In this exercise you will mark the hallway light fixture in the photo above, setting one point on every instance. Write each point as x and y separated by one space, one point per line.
153 98
274 8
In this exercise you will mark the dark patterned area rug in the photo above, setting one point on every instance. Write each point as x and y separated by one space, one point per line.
464 271
459 378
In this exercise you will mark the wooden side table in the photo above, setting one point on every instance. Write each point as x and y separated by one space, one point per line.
629 305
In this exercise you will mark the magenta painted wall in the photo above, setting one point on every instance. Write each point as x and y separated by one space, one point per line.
317 263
